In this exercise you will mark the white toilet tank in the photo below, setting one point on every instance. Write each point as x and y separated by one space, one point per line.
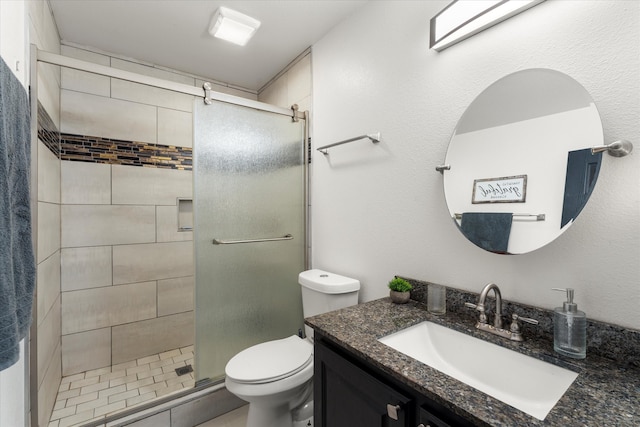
323 292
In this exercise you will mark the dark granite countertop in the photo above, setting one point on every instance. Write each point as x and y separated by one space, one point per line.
605 393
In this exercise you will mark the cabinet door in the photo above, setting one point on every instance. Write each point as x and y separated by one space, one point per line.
347 396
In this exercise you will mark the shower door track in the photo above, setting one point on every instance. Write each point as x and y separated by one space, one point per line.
205 94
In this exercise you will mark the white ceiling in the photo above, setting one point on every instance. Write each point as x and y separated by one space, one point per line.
173 33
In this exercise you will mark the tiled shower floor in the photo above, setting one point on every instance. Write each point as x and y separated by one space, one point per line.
95 394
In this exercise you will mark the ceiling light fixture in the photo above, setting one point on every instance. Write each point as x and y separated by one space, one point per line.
463 18
232 26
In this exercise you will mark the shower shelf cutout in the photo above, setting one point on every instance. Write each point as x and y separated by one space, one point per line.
185 214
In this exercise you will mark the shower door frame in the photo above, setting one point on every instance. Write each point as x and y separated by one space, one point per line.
37 55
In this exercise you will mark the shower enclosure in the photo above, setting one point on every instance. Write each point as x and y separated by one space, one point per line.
116 261
249 197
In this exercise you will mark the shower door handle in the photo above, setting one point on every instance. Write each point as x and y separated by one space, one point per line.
270 239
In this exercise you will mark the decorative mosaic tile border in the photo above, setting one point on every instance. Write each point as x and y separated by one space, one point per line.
47 131
95 149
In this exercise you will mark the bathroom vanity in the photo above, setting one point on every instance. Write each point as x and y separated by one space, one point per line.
358 381
352 392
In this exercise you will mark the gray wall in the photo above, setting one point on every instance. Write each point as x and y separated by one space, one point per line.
379 210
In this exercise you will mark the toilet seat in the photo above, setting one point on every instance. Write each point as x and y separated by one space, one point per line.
270 361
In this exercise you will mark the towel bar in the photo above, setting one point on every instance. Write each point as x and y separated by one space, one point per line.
271 239
539 217
374 137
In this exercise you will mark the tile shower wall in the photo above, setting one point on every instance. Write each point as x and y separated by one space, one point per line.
122 261
46 368
127 273
292 85
47 317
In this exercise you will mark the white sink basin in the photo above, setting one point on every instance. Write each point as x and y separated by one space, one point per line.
526 383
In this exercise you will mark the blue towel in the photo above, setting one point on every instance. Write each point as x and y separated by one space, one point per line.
17 264
488 230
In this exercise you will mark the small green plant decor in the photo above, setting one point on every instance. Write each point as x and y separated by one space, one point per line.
399 290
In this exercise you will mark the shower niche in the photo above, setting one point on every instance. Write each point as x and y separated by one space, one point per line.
185 214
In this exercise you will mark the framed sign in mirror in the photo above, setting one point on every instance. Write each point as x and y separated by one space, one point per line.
506 189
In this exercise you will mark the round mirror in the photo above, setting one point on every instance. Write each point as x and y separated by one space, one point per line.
521 167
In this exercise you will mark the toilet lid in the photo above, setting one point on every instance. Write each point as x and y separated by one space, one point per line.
270 361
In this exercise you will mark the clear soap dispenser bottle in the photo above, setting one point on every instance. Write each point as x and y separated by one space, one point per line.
569 328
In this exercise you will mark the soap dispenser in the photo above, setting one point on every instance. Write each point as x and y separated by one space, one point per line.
569 328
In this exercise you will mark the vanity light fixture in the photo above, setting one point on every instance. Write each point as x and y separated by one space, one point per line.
233 26
463 18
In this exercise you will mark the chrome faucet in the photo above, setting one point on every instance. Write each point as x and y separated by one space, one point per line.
513 333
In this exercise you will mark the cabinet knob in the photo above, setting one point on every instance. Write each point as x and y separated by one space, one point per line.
392 411
422 425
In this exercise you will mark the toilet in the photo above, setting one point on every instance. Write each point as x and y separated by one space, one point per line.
276 377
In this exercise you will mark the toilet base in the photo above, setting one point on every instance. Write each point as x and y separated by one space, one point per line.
303 414
260 416
281 416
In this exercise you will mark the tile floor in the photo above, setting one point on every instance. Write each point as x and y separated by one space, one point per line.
95 394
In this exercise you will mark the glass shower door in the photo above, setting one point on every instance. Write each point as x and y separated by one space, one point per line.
249 222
